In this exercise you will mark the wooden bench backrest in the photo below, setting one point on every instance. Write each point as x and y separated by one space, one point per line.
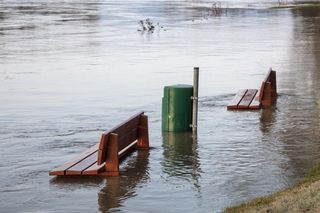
270 79
127 132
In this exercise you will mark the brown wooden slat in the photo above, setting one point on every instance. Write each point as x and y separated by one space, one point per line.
82 165
127 125
124 126
127 150
236 99
247 99
255 104
94 169
125 140
60 170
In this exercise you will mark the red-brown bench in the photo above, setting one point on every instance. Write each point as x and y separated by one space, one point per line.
103 158
254 99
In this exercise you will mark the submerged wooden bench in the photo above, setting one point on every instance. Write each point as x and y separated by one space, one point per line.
103 158
254 99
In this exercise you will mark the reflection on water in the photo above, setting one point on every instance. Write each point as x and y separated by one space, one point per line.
118 189
115 190
70 70
181 158
267 117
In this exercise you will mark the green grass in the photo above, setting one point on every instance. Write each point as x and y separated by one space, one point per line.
303 196
312 176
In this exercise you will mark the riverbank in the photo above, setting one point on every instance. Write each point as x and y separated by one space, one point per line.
305 4
302 197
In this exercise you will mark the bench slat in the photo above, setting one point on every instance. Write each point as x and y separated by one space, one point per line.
131 147
94 169
60 170
247 99
255 104
236 100
83 165
131 123
127 139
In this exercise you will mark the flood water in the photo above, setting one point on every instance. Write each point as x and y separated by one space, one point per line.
71 69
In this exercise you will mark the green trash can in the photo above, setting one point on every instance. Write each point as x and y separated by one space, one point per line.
177 108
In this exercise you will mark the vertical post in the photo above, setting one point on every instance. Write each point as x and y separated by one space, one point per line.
267 99
102 148
143 133
112 158
195 99
273 80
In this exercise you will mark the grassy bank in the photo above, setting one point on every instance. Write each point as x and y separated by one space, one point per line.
302 197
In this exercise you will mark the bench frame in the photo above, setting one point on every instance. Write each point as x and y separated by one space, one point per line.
252 99
268 89
103 158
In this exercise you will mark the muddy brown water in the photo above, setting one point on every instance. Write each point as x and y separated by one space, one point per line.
70 70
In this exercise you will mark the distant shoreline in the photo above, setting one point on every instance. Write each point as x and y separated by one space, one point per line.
297 5
304 196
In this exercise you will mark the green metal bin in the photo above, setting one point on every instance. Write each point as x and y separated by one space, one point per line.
177 108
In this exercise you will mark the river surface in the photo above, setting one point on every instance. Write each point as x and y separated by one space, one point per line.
70 70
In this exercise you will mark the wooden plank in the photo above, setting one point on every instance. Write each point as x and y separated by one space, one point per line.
83 165
236 99
124 126
125 140
130 148
127 125
255 104
60 170
247 99
94 169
